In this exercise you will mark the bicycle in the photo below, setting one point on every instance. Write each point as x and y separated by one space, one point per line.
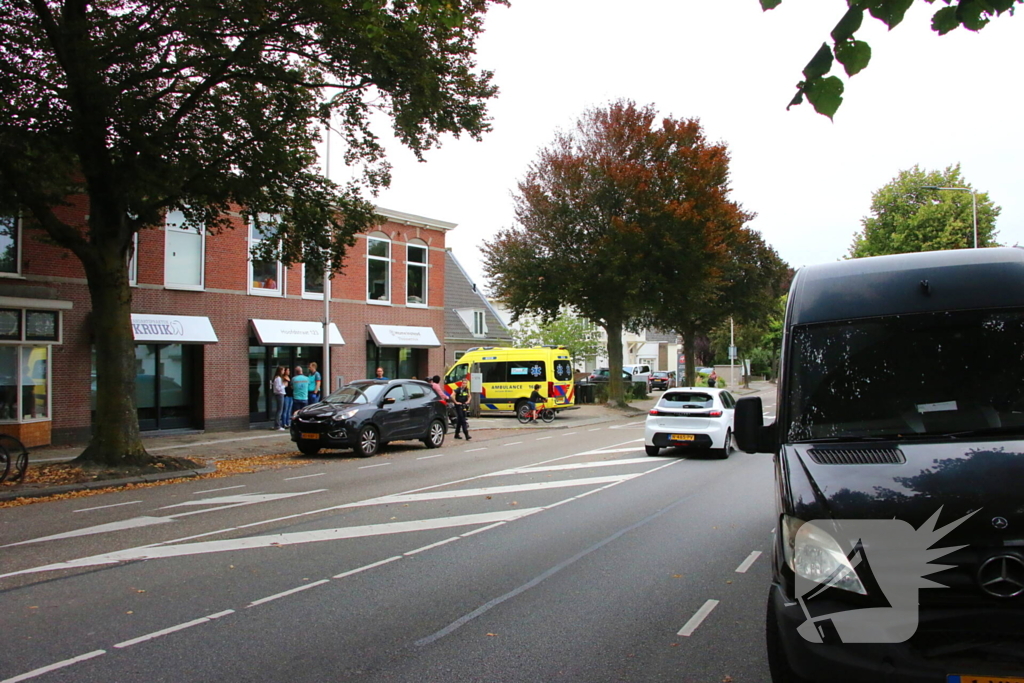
524 414
13 458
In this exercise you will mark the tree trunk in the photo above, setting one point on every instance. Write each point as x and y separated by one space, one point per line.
616 397
689 346
116 441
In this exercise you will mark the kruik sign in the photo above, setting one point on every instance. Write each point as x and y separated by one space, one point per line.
172 328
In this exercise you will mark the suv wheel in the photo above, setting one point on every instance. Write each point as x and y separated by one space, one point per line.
368 442
435 435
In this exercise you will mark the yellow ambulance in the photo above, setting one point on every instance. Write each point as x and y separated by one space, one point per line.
509 375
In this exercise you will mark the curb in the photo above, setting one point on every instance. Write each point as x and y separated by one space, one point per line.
105 483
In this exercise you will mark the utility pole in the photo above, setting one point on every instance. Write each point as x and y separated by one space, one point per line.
732 353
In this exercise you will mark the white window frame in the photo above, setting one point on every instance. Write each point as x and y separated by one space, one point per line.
17 247
260 291
424 266
133 262
319 296
168 268
387 261
479 323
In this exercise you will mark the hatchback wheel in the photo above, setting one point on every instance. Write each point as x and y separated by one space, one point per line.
652 450
726 449
368 442
435 437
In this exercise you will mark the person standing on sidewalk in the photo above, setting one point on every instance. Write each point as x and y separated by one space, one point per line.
300 390
288 400
314 384
277 387
461 405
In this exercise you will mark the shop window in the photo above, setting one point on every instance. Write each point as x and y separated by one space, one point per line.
264 276
10 245
312 281
416 275
184 253
27 368
378 268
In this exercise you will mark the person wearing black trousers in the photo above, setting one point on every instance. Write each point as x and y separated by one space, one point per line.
461 404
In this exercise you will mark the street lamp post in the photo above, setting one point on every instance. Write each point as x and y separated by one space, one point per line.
974 205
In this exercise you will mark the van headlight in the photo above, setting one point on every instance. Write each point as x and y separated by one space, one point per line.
813 554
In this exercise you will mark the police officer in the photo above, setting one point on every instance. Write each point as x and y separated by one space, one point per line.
461 404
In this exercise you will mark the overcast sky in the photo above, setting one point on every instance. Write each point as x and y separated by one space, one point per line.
924 99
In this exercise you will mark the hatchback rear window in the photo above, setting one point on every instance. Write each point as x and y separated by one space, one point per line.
687 400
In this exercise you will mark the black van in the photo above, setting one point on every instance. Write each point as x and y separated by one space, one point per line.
899 467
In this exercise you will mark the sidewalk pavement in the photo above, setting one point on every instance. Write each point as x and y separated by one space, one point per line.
217 446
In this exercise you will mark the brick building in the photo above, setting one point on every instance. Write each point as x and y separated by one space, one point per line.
211 324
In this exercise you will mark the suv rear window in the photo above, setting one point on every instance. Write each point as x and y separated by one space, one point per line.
687 400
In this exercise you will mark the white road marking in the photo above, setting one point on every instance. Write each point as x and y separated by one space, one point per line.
104 507
488 491
133 523
174 629
283 594
432 545
541 438
578 465
514 443
695 621
374 565
483 529
306 476
208 443
53 667
570 433
439 455
611 451
293 538
745 565
476 449
595 429
226 488
239 499
381 464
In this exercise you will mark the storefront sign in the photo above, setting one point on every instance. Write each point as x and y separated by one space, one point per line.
173 329
404 336
294 333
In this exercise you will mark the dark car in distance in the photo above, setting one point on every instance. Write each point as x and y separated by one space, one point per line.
367 414
662 380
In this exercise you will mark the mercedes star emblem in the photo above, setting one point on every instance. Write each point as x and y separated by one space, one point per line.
1002 576
1000 522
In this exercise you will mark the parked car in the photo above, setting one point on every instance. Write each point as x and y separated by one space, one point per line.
367 414
640 372
691 418
604 374
662 380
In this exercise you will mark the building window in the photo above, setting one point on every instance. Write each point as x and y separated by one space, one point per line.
10 243
312 281
183 253
416 275
479 323
378 268
27 368
264 276
133 261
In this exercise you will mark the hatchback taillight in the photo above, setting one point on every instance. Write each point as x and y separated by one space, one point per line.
715 413
654 411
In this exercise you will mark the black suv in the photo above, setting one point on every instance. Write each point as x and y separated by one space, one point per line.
367 414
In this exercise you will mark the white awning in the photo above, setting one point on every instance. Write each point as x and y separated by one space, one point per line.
294 333
401 335
173 329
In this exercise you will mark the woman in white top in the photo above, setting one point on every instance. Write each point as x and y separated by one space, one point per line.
277 387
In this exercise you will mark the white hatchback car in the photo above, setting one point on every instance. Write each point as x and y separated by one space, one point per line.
691 417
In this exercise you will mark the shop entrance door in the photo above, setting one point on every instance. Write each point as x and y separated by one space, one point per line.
165 386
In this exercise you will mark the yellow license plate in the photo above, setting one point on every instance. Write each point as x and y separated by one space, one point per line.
682 437
962 678
307 435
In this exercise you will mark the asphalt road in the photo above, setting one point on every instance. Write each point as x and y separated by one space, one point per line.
558 555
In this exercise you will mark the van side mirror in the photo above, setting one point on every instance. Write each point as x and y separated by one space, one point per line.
751 434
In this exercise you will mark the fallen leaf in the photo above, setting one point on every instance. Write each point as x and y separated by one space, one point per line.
727 679
488 497
729 581
34 607
140 591
515 503
492 634
129 612
677 576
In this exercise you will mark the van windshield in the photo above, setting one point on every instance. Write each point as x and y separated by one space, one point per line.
907 376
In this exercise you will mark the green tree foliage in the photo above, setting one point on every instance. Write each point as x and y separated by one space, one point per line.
152 105
908 216
578 335
825 93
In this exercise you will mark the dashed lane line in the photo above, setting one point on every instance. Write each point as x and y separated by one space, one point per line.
382 464
745 565
306 476
53 667
284 594
697 619
226 488
104 507
174 629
